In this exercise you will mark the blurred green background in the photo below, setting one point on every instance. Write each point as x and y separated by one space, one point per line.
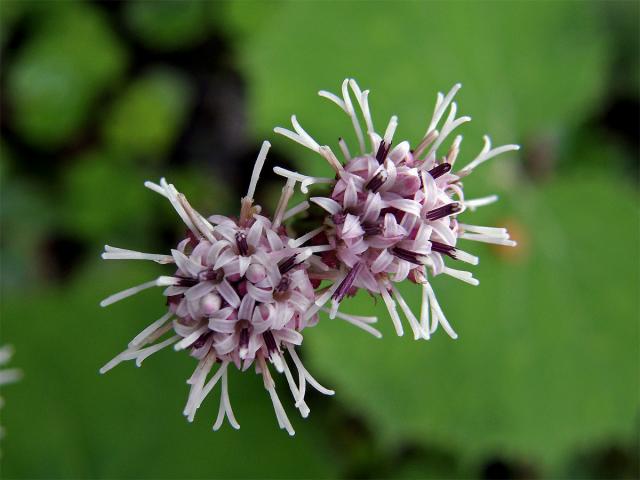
96 97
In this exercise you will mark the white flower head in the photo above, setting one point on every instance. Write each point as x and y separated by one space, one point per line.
393 212
239 294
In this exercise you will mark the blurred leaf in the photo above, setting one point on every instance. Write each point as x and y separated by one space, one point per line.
167 25
523 71
10 12
147 118
71 59
206 192
129 423
547 356
623 23
26 216
101 204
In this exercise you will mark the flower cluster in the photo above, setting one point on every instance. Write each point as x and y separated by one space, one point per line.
393 213
239 295
243 290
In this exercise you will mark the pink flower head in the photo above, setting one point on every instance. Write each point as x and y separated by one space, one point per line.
393 212
240 295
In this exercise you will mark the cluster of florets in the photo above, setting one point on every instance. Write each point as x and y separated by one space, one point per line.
243 290
393 213
240 295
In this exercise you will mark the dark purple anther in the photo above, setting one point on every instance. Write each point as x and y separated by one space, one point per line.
376 181
444 211
443 248
338 218
211 275
283 285
372 229
187 282
241 241
347 283
287 264
270 342
243 342
383 150
199 343
406 255
440 170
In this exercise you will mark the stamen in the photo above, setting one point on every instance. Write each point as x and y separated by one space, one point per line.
413 321
190 339
462 275
450 124
158 282
305 238
243 341
444 211
391 130
383 151
200 342
143 354
225 406
287 264
352 113
407 255
391 308
187 282
478 237
209 275
270 342
480 202
377 180
371 230
114 253
331 158
491 231
443 248
247 202
197 380
347 283
207 389
257 168
241 242
144 334
437 313
360 322
486 154
299 136
344 149
440 170
363 101
442 103
306 375
426 141
298 396
304 180
280 292
424 311
301 207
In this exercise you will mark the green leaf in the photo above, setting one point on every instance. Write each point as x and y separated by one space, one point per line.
103 205
547 356
167 25
129 423
26 216
58 75
147 117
